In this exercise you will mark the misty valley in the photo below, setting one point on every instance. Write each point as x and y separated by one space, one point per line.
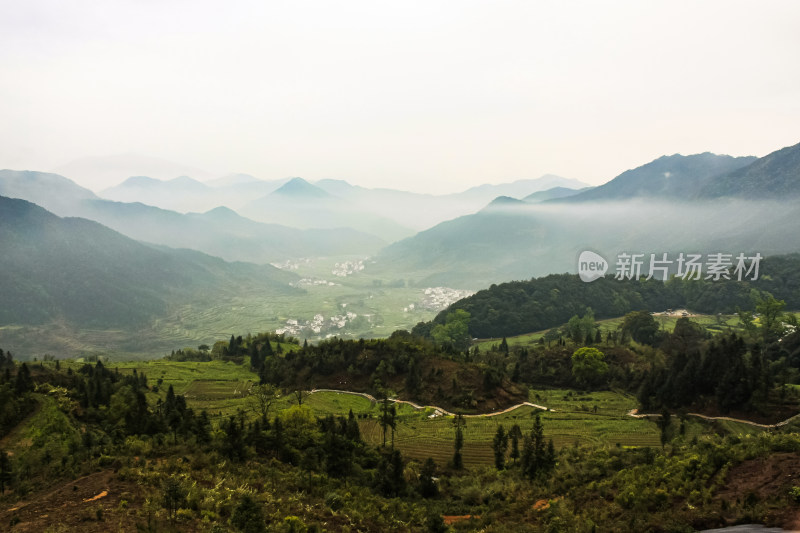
236 354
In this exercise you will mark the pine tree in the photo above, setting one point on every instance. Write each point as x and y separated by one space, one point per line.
458 461
393 421
500 445
385 419
5 471
538 458
427 485
515 432
352 431
23 382
248 516
174 497
504 346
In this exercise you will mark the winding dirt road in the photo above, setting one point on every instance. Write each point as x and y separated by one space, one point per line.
632 413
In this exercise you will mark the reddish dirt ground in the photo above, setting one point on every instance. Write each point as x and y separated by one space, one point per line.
74 505
767 478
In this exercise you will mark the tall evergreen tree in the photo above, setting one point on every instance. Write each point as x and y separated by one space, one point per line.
5 471
458 444
500 446
427 483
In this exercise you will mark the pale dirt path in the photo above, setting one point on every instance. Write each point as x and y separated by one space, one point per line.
635 414
632 413
435 408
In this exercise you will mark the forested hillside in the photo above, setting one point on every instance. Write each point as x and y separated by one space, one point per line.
109 447
520 307
78 271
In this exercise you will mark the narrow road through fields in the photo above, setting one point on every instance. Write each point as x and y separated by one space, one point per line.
632 413
441 410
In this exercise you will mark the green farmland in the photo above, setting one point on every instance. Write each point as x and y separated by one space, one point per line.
574 417
222 389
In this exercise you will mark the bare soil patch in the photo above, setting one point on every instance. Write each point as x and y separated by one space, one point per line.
767 479
87 504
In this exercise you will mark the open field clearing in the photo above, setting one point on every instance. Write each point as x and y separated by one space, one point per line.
713 323
575 417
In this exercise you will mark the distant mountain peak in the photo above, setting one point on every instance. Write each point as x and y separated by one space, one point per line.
300 188
519 188
184 179
774 176
503 201
222 212
555 192
332 181
138 181
232 179
674 176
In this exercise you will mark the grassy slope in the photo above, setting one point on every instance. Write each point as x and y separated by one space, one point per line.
221 389
710 322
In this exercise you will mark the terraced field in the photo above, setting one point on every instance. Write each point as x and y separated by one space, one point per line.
574 417
570 424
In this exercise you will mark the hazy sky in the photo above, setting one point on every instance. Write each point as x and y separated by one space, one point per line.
428 95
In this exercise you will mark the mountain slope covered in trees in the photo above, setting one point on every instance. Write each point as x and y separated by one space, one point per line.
675 176
653 209
76 270
518 307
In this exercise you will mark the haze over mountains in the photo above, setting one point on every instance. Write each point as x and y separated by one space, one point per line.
388 213
704 203
77 272
105 171
668 177
220 231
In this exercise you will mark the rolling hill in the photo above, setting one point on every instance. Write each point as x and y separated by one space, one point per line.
508 240
184 194
79 272
552 194
774 176
668 177
224 233
300 204
50 191
219 231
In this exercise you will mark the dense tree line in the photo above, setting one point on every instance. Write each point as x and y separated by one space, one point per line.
728 372
403 363
324 460
520 307
16 384
256 347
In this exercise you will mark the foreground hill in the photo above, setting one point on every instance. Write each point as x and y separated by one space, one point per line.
168 445
80 272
